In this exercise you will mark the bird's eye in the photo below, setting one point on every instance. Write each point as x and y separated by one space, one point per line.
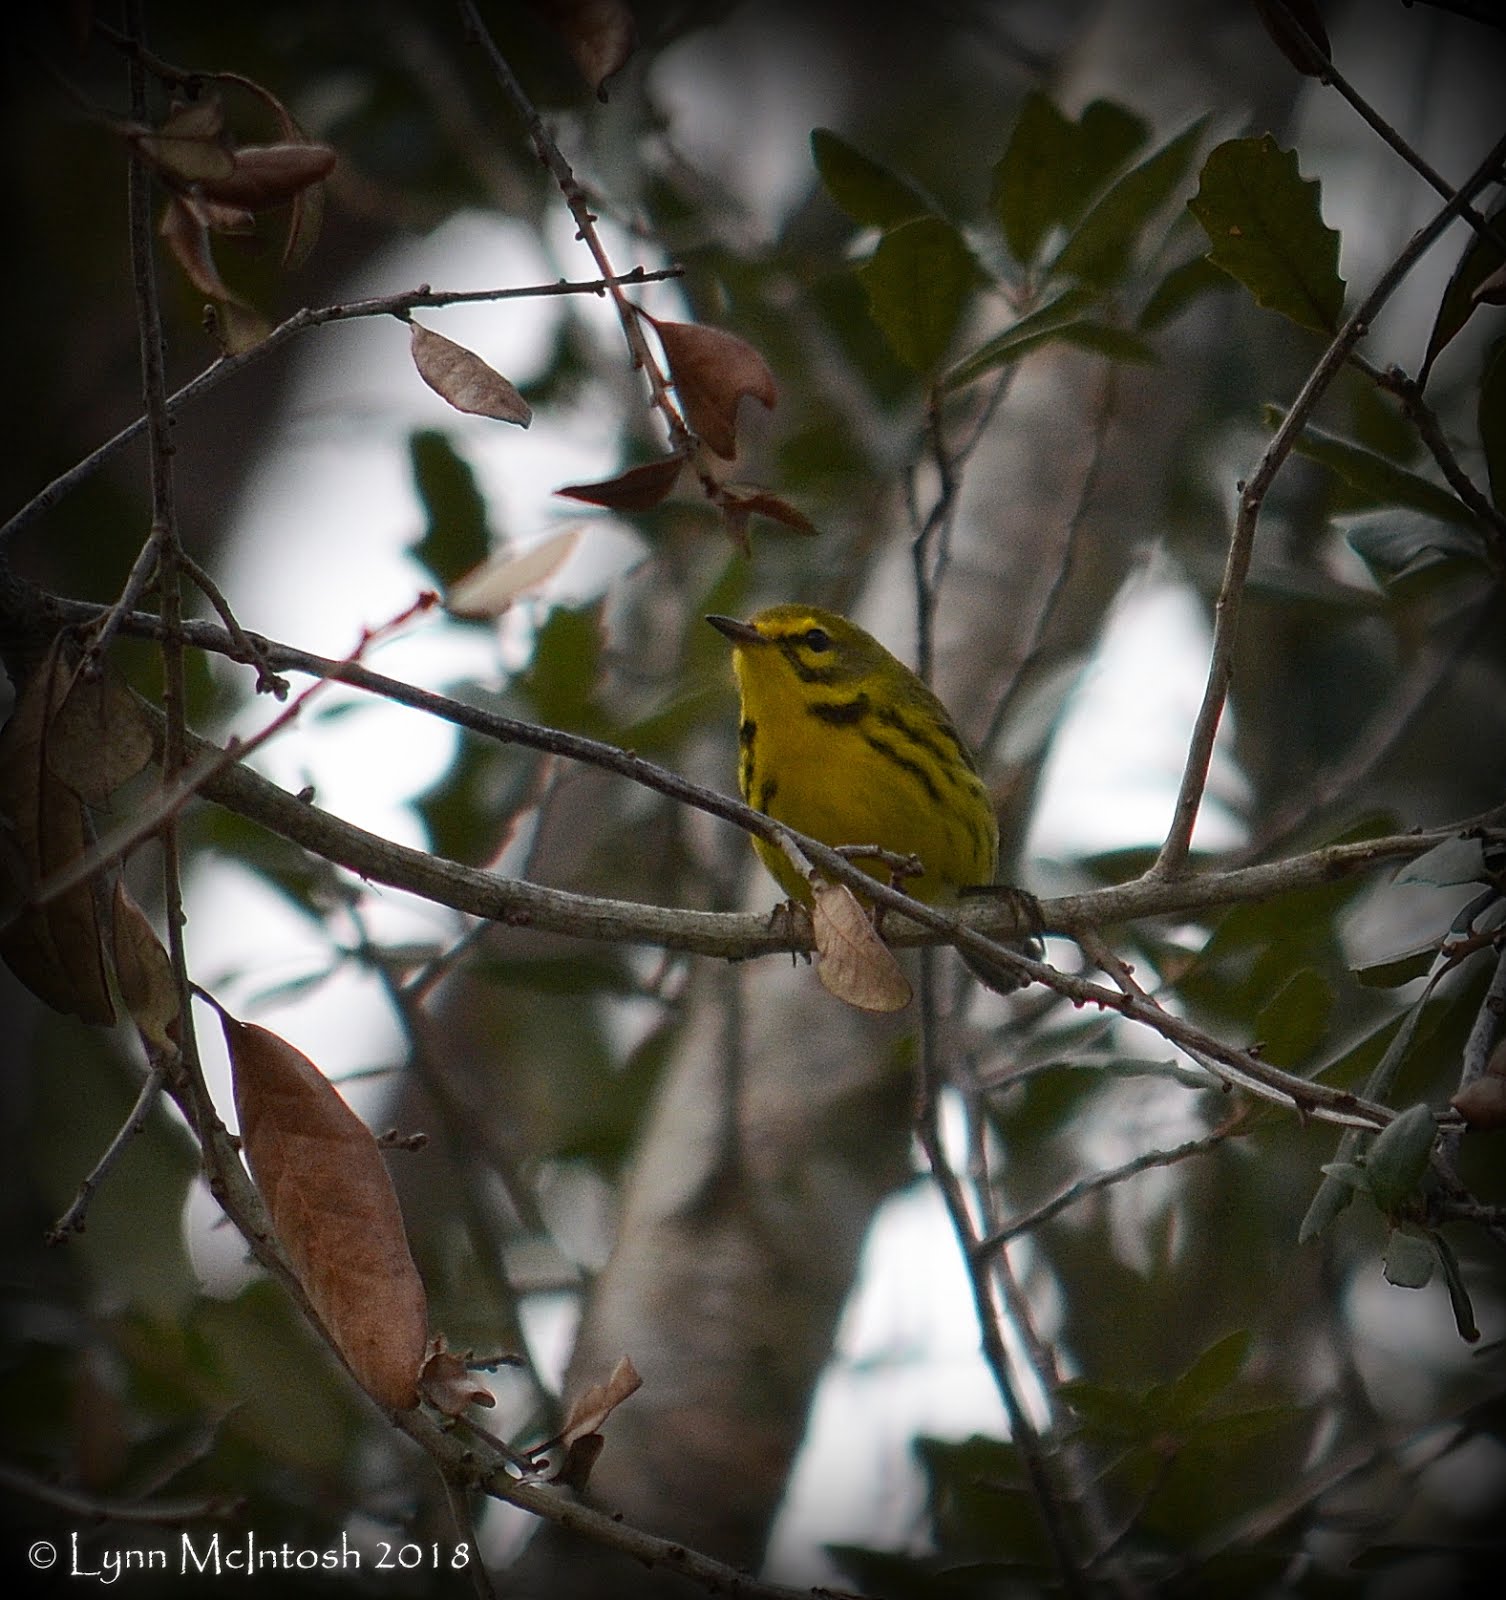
817 639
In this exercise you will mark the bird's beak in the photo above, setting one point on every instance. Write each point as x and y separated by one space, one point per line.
737 632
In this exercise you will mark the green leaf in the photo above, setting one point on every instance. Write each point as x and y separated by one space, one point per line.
1458 1291
1409 1259
1035 328
1455 861
1397 970
1185 1399
1103 339
560 681
918 282
1398 1156
1266 229
1294 1022
868 192
1379 480
1100 250
1333 1194
457 537
1052 167
1480 258
1178 289
1492 418
1401 546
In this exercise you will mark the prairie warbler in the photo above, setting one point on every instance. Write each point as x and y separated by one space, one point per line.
841 741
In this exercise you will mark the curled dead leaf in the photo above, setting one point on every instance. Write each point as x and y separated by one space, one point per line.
489 590
334 1209
187 236
712 371
855 964
57 949
638 489
461 378
448 1384
98 738
144 975
264 175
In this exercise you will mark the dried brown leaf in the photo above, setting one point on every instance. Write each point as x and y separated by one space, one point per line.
489 590
460 377
98 738
600 35
712 370
592 1408
746 501
449 1385
144 975
56 950
332 1204
219 218
855 964
188 239
637 489
265 175
581 1455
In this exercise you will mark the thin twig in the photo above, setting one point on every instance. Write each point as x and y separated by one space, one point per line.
553 160
1323 68
72 1220
1422 417
1074 1192
94 1507
267 681
392 305
1172 859
1026 1438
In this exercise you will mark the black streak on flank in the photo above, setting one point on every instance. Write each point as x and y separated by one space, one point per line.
747 732
840 713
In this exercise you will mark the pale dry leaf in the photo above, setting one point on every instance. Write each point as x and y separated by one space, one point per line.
638 489
182 159
855 964
56 950
489 590
592 1408
334 1209
712 371
460 377
237 326
144 974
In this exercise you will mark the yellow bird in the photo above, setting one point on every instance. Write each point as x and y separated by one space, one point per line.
841 741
